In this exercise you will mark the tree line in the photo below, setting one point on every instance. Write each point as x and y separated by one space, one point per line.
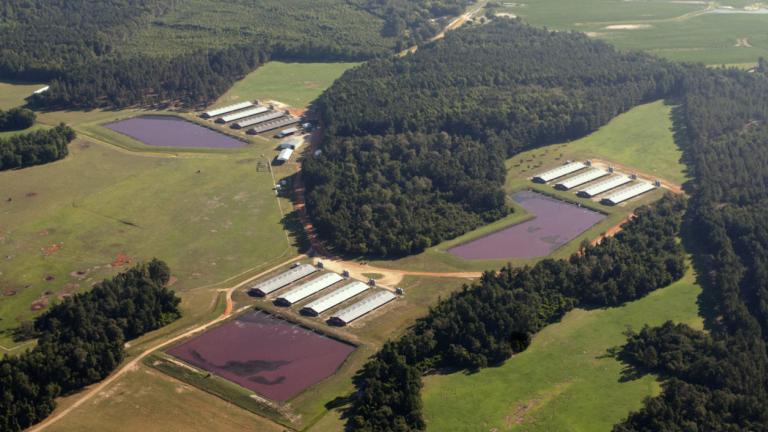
717 380
413 148
80 341
16 119
487 322
35 148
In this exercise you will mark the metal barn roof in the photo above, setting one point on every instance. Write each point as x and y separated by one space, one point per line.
347 315
558 172
307 289
288 277
242 114
580 179
273 124
604 186
261 118
292 143
627 193
285 155
337 297
227 109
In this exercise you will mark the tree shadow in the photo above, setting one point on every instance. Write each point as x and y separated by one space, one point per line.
292 224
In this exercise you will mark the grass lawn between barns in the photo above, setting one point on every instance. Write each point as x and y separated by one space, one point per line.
642 139
566 380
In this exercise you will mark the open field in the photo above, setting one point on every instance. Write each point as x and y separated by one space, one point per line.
566 380
146 399
36 126
684 31
295 84
13 95
641 138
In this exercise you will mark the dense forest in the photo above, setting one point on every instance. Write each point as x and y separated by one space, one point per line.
718 380
16 119
86 49
80 341
35 148
413 148
484 324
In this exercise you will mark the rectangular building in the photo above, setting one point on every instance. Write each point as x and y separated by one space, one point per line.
370 303
626 193
285 132
307 289
562 170
580 179
242 114
604 186
283 279
335 298
284 155
227 109
292 143
273 124
261 118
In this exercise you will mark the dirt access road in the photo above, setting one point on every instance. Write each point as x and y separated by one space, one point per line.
453 25
90 392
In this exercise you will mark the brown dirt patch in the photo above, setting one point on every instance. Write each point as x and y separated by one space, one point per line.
43 233
49 278
40 303
172 280
297 112
68 290
121 260
9 292
52 249
31 194
79 274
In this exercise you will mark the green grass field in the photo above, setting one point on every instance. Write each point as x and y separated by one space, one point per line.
13 95
684 31
565 381
641 138
295 84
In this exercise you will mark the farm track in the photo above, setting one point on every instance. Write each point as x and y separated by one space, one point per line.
94 390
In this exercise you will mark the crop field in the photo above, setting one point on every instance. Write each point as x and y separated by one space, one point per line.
641 139
686 31
67 225
566 380
294 84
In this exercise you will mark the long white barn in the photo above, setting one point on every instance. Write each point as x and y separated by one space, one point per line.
628 193
604 186
227 109
370 303
563 170
580 179
335 298
307 289
261 118
283 279
242 114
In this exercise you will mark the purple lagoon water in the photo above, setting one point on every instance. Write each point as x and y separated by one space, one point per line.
555 224
167 131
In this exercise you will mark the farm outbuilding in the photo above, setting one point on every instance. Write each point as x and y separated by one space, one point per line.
370 303
562 170
335 298
292 143
628 193
273 124
580 179
286 132
283 279
261 118
284 155
242 114
227 109
604 186
307 289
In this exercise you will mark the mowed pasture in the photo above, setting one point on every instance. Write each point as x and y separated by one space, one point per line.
294 84
677 30
641 140
566 380
13 94
66 225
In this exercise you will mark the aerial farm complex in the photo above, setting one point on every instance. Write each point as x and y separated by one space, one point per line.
254 118
605 185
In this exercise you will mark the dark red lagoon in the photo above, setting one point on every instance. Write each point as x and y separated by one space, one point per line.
169 131
273 357
555 224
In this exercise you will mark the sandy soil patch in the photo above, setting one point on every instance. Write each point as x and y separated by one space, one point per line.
628 26
506 15
742 43
595 34
52 249
121 260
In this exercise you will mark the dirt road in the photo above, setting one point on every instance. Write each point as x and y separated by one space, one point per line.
95 389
